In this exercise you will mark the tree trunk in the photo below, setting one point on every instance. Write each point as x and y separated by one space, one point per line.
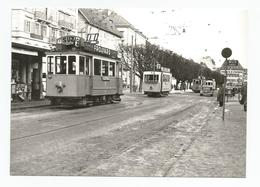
141 84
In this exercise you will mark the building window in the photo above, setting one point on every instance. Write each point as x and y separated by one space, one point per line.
62 33
53 32
37 29
60 64
111 69
51 15
97 67
44 31
72 65
27 26
104 68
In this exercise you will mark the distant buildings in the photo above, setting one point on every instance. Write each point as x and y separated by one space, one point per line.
236 74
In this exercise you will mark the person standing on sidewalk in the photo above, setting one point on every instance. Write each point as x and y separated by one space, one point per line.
220 96
243 100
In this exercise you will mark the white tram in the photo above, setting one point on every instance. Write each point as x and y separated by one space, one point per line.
157 83
80 73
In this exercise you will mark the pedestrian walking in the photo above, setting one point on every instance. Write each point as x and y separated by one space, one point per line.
220 96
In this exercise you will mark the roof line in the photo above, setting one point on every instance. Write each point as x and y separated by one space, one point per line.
84 16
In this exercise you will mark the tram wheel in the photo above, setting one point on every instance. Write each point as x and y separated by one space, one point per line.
55 101
109 99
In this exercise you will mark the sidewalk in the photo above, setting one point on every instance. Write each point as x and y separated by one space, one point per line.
29 104
220 148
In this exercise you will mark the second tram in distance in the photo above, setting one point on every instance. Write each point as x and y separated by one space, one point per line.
157 83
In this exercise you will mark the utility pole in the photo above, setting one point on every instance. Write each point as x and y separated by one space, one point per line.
224 90
131 70
226 53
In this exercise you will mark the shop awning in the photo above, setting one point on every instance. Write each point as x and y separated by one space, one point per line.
24 51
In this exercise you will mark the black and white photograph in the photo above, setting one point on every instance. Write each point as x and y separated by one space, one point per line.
115 92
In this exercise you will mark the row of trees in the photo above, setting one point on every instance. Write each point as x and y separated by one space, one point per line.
146 57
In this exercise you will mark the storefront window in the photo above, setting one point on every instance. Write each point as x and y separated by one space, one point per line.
72 64
60 64
50 63
81 65
104 68
111 69
97 67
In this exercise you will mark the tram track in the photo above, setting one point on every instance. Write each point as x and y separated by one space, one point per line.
115 113
148 136
112 151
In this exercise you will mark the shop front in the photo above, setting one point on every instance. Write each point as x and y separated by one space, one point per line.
26 74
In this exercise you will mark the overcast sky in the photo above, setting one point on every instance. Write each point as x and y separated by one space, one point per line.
207 31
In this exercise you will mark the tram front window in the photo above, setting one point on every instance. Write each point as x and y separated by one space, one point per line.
72 65
151 78
60 64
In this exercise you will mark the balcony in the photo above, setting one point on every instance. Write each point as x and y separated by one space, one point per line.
40 37
66 25
40 15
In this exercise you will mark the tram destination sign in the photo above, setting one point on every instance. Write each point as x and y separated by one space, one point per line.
77 42
70 40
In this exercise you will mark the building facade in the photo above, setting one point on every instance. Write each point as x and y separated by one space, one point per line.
131 36
34 31
95 27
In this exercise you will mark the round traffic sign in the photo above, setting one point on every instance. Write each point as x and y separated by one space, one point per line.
226 52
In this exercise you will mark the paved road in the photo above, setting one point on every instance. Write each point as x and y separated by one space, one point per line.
140 136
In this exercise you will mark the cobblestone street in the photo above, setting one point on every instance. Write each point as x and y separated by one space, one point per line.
181 135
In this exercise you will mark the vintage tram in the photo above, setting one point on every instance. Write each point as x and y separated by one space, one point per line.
157 83
80 73
196 85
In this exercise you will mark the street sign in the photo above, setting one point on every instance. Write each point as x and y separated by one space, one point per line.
233 62
226 52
